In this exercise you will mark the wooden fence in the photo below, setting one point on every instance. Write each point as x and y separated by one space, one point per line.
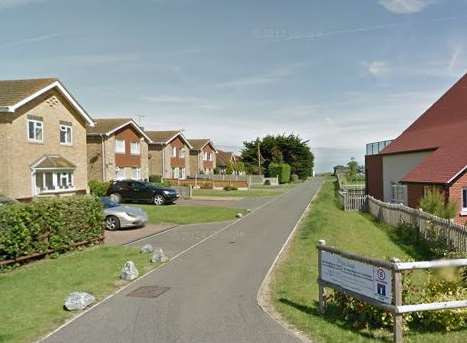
353 200
430 227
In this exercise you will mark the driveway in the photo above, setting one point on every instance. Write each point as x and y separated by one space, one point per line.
211 284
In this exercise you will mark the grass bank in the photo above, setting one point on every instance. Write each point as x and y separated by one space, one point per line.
257 191
294 287
189 214
32 297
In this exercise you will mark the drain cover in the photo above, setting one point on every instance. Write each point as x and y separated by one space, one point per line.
148 292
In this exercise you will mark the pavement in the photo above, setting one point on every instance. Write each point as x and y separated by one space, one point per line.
210 284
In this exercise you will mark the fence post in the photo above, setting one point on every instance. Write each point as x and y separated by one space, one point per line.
322 296
397 301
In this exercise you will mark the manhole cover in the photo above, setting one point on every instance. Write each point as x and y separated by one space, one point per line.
148 292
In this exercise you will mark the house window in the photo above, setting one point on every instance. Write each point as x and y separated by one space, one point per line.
175 173
399 194
174 151
136 174
119 173
183 173
35 130
66 134
464 200
205 156
135 148
53 181
180 173
119 146
182 153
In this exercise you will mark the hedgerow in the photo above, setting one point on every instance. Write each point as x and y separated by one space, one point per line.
52 224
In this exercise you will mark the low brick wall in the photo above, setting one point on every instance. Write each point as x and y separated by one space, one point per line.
209 184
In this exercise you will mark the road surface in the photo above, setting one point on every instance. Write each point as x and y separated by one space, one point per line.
211 285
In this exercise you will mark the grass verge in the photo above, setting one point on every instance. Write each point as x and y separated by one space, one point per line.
294 287
189 214
32 296
252 193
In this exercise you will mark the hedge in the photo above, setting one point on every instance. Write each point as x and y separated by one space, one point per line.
98 188
52 224
282 170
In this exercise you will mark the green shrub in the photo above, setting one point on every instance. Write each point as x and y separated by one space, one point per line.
434 202
282 170
230 188
49 224
267 183
98 188
155 178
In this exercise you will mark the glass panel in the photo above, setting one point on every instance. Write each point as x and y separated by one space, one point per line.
40 181
49 183
464 198
31 129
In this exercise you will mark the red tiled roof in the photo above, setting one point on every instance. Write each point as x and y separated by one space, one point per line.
443 129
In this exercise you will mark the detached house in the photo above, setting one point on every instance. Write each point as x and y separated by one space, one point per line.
202 157
432 152
42 139
169 153
117 150
223 158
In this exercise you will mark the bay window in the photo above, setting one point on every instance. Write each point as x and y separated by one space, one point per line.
53 181
136 173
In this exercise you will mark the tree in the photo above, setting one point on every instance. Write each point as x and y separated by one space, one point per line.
435 202
290 149
353 169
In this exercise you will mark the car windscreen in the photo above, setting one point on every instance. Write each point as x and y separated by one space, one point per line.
108 203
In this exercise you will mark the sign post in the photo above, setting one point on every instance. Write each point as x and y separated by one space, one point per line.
397 287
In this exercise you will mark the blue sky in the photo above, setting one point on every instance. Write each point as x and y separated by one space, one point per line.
339 73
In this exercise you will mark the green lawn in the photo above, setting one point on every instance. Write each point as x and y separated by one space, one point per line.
254 192
295 291
189 214
32 297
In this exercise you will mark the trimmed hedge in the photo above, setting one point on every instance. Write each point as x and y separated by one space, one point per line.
282 170
155 178
98 188
55 224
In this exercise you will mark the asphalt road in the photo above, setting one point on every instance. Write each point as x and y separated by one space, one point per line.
213 282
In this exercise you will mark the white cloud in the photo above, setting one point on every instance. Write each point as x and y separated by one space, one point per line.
28 40
405 6
378 68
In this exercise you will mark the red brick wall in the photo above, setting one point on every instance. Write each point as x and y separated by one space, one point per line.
455 195
129 135
208 164
177 161
374 176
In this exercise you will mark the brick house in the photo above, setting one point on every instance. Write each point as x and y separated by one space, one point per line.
432 152
223 158
42 140
169 154
117 148
202 157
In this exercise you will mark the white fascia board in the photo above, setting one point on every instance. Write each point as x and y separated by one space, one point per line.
62 90
136 126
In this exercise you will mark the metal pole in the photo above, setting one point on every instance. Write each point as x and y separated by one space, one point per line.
397 301
322 298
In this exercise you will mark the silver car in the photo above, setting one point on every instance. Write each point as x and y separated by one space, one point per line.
118 216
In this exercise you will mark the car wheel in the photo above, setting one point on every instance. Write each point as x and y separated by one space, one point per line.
116 197
112 223
158 200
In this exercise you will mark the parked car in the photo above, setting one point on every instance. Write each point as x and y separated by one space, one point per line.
118 216
141 191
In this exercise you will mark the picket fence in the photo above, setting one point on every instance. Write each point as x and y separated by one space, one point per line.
430 227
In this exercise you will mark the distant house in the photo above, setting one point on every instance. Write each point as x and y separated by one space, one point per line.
117 149
42 140
432 152
202 156
223 158
169 154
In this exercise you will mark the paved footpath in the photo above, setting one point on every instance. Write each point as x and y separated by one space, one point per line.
213 282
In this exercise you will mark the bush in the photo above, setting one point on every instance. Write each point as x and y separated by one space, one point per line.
98 188
267 183
49 224
294 178
434 202
230 188
282 170
155 178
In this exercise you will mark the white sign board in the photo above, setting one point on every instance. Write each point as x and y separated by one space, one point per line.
362 278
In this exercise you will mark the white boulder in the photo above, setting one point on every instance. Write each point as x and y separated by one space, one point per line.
147 248
159 256
129 271
78 301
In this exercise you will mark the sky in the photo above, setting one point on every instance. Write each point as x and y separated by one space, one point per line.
339 73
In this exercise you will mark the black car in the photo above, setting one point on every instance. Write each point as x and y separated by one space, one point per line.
140 191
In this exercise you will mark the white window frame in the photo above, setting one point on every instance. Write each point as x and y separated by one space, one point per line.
464 200
117 146
174 151
136 173
399 193
35 123
182 153
58 176
135 151
68 134
205 156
